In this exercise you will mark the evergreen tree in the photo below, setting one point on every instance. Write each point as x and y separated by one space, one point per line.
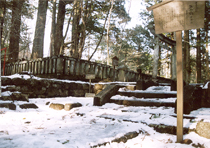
38 43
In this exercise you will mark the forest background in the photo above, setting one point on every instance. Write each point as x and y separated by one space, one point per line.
97 30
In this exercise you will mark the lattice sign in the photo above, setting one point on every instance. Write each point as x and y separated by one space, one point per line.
176 15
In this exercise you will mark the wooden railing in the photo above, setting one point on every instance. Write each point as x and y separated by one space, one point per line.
67 68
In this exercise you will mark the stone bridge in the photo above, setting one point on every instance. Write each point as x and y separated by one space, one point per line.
64 67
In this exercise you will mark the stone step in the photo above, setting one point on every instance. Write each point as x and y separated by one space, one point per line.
148 94
137 102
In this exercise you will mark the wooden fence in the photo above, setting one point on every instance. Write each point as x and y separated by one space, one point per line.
67 68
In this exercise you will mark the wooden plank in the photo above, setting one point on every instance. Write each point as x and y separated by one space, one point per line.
158 5
104 96
179 87
179 15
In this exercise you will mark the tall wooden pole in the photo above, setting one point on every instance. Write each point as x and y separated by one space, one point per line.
179 86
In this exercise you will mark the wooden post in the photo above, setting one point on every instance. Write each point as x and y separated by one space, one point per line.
179 87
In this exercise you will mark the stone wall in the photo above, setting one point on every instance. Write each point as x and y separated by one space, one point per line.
44 88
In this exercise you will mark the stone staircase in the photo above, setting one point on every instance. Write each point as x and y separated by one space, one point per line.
145 98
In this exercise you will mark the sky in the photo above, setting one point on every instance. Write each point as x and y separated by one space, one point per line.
132 6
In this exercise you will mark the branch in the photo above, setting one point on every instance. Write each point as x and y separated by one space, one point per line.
62 44
102 34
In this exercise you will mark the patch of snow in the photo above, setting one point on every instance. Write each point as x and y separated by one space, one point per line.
90 125
6 93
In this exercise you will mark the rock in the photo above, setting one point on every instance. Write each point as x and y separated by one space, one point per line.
131 87
47 103
27 106
121 139
79 93
56 106
6 98
149 83
144 84
203 129
19 97
19 81
192 98
206 99
63 93
85 86
8 105
51 92
106 80
139 85
98 87
174 85
69 106
186 141
131 135
11 88
6 81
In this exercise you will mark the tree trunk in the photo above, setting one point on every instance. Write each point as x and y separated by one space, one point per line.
207 58
198 57
186 59
83 33
107 37
52 35
173 63
75 28
38 44
2 14
155 58
15 30
59 26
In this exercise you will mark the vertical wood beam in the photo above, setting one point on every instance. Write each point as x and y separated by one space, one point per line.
179 86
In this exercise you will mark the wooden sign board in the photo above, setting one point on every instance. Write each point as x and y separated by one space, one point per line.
179 15
90 76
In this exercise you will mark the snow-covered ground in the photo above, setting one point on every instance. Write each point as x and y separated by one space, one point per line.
85 126
90 125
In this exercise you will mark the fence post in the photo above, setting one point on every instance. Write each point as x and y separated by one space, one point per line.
77 67
60 65
72 66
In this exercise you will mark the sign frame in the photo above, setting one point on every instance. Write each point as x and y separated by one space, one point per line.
179 62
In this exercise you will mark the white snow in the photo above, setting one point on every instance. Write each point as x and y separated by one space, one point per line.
90 125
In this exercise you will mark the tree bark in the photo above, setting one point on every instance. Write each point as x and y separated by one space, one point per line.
38 44
173 63
186 59
59 26
75 28
2 14
53 25
62 42
83 30
107 36
207 58
15 30
155 58
198 57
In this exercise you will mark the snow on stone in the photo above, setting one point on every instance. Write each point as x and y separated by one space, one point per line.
90 125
